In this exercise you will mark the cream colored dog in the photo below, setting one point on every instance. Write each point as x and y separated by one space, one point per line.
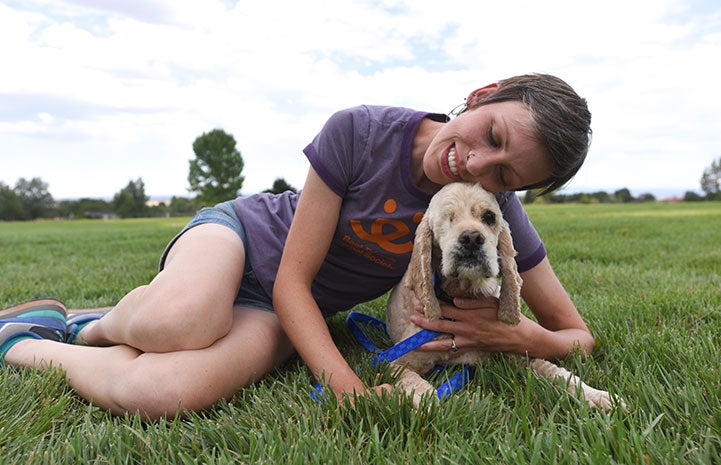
464 240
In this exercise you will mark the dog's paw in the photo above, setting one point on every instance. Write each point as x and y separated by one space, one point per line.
416 387
602 399
417 398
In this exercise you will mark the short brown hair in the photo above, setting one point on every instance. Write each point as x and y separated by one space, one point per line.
561 117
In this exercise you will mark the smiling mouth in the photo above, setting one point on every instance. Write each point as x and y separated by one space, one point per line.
453 162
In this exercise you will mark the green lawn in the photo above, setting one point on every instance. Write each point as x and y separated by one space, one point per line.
646 277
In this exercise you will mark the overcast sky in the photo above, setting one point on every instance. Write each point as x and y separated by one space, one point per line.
94 94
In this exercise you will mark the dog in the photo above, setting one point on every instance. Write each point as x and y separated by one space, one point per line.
464 242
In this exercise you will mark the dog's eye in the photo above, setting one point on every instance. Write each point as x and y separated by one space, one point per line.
451 216
488 218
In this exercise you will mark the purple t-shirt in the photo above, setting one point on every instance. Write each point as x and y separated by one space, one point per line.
364 155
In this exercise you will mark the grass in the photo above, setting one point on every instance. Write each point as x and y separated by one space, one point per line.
647 279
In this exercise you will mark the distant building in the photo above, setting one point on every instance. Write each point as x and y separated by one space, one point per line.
157 203
100 215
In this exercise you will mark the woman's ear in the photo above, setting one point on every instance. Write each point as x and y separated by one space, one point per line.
478 94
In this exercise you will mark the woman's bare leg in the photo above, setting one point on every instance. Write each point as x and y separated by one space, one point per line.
186 306
124 379
176 344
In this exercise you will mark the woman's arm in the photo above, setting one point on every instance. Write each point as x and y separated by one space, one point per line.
558 330
309 239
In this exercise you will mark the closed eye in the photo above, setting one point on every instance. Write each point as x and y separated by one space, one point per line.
492 140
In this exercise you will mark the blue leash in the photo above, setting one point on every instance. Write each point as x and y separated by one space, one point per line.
353 322
395 352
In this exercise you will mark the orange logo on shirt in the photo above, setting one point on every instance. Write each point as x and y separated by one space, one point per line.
385 231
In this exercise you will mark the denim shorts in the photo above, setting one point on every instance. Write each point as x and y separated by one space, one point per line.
251 293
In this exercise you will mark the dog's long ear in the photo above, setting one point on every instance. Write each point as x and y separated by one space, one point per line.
509 305
421 270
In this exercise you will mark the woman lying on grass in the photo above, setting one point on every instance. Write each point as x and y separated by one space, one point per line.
206 325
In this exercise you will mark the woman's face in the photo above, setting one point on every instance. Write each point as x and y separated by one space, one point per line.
494 145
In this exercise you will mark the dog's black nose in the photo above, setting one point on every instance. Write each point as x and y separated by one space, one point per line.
471 239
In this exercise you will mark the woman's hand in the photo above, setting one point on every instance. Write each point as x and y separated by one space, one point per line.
557 330
474 326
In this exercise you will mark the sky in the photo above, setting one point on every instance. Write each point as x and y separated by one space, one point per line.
94 94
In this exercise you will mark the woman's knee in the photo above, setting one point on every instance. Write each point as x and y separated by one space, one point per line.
179 322
189 305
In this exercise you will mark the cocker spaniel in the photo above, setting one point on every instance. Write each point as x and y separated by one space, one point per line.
464 242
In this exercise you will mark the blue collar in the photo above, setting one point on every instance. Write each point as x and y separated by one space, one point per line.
440 293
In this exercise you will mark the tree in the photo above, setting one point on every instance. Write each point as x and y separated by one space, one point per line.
130 201
623 195
691 196
78 208
529 197
215 174
11 208
35 198
181 206
711 180
280 185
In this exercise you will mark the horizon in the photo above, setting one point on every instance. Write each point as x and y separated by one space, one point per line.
659 194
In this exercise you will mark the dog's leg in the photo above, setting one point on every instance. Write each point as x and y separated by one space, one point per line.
413 383
594 397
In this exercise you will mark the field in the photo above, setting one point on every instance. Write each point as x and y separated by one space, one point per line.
646 278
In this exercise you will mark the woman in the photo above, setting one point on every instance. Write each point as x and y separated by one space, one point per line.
206 325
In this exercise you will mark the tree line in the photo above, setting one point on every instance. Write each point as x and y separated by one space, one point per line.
620 196
215 175
710 185
31 200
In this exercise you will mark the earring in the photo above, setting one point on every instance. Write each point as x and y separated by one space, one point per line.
458 109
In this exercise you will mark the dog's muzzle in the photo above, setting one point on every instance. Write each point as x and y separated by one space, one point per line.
469 253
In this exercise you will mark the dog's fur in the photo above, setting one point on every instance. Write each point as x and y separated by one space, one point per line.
464 240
